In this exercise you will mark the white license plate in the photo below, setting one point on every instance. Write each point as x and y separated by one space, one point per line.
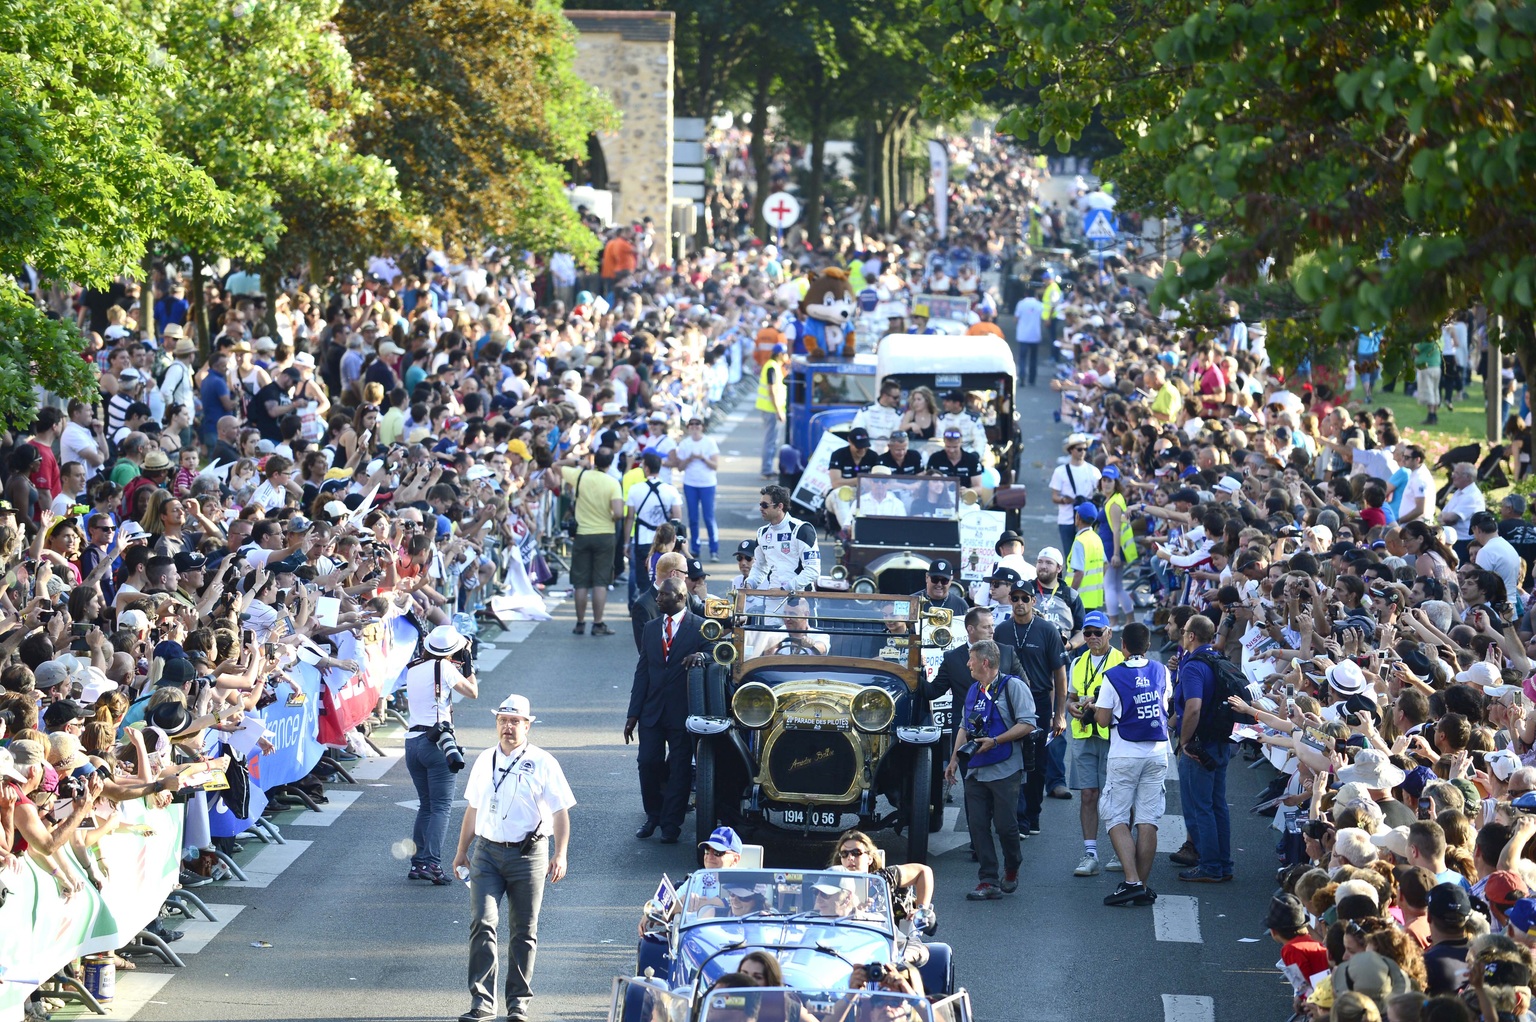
810 817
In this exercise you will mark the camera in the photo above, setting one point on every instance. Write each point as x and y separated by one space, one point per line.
876 972
449 746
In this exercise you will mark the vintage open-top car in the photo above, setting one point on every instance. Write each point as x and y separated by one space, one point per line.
897 526
811 717
643 1000
819 924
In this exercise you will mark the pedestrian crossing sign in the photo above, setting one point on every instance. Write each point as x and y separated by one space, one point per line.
1099 225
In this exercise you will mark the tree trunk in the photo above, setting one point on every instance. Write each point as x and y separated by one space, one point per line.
758 146
199 310
817 180
147 296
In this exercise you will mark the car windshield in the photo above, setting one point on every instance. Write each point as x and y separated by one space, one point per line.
779 625
891 497
724 894
749 1004
842 388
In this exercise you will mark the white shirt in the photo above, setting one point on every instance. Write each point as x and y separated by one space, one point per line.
1465 503
1421 483
1498 556
1077 481
1027 313
429 702
651 510
77 438
526 788
267 497
1109 699
698 473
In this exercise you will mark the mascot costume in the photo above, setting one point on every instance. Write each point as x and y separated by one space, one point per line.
827 310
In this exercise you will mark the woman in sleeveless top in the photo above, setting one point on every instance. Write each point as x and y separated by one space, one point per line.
1431 556
921 422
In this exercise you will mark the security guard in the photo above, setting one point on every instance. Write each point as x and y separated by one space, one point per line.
771 403
883 417
1053 312
518 799
787 556
940 590
973 435
1087 558
1088 746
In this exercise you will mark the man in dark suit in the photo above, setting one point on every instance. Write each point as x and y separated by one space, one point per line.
658 705
954 677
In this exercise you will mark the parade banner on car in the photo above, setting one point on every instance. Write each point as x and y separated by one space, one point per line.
41 930
979 530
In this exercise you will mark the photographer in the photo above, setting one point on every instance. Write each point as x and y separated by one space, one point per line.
997 713
432 755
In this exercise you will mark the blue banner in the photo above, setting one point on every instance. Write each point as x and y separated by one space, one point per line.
294 733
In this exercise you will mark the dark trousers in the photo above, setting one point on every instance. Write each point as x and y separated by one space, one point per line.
496 872
989 806
1029 362
666 774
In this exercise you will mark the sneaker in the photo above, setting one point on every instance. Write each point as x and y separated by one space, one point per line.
1125 894
1147 896
1010 881
984 892
1185 856
1034 827
1088 866
418 873
190 879
1114 865
601 629
437 876
1199 876
1227 878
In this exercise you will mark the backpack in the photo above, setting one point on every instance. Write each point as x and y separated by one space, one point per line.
1216 721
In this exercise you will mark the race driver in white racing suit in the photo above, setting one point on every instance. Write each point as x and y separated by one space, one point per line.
787 556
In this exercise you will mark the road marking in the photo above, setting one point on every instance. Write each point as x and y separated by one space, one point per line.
954 834
268 864
200 931
489 660
375 767
412 804
517 631
1171 833
1176 917
330 812
134 991
1187 1007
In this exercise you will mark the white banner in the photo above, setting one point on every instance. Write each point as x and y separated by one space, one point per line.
817 477
938 175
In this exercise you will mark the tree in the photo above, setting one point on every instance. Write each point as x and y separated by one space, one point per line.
88 180
478 106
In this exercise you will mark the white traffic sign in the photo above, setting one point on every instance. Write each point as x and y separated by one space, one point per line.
780 210
1099 225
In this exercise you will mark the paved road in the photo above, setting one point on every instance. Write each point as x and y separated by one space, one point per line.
352 939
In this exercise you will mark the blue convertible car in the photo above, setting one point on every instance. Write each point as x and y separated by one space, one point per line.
819 924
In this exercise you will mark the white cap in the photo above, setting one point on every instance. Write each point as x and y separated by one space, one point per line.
516 706
1482 674
97 685
1050 553
1229 484
134 619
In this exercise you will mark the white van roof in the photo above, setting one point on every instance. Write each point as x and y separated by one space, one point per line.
898 354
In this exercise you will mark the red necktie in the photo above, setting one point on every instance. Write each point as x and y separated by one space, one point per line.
666 642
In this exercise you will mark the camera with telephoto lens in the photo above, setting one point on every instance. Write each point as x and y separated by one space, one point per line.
975 725
444 739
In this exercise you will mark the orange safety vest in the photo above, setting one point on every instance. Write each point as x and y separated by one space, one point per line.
762 350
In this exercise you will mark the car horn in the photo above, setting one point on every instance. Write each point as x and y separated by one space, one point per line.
970 497
711 629
717 607
940 617
724 653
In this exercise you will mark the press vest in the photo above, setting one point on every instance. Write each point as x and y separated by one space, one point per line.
979 703
765 389
1091 591
1127 538
1143 717
1084 680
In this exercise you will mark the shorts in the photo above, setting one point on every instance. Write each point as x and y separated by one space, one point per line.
1134 787
592 560
1087 761
1429 386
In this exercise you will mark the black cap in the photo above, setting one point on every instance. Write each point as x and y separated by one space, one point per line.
1185 495
173 718
1007 537
1008 575
177 672
954 395
293 562
1449 902
858 437
941 568
696 569
64 711
190 560
1286 914
746 548
1341 548
1417 661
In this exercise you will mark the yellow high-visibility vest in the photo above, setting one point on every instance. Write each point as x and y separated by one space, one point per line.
765 389
1092 589
1127 537
1084 681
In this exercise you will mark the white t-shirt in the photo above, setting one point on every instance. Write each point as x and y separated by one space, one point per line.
429 702
651 510
1109 699
1027 316
77 438
1498 556
528 789
1421 483
697 473
1078 481
268 497
1465 502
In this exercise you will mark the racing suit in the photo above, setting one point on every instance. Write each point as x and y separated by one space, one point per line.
878 419
786 558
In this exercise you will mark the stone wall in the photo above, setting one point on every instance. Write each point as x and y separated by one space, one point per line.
628 54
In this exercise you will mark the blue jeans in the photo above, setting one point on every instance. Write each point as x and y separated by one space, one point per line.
434 793
1203 794
1029 362
1056 762
771 429
701 499
1068 533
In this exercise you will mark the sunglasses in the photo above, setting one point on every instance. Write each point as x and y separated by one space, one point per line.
851 853
765 505
1021 597
939 580
1093 632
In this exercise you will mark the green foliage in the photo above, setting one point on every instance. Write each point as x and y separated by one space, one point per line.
38 351
477 108
1315 135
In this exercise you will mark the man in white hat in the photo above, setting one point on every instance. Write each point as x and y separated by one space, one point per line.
432 754
1074 481
518 799
176 386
